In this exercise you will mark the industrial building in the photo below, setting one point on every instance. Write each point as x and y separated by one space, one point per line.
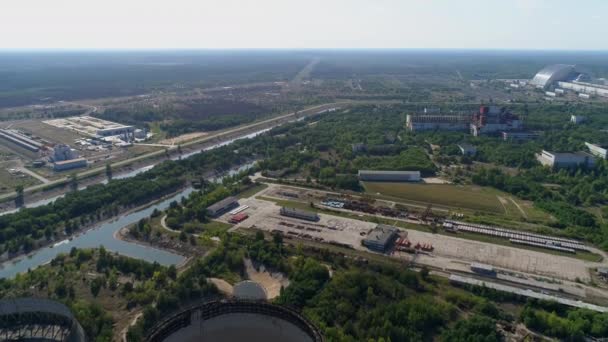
20 139
223 206
565 160
380 238
299 214
519 136
63 152
467 149
93 127
389 176
585 88
487 120
437 122
597 150
577 119
492 119
566 77
64 165
552 74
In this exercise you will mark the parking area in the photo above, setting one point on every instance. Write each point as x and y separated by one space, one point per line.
329 229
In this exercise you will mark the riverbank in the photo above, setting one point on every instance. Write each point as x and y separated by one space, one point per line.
47 244
215 139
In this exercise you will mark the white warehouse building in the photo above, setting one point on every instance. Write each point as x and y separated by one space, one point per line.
597 150
389 176
565 160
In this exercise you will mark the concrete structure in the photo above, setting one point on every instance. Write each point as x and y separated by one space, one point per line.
440 122
467 149
21 140
389 176
63 152
551 94
597 150
380 238
519 136
577 119
484 269
493 119
565 160
93 127
590 89
140 134
223 206
36 319
69 164
584 96
234 320
299 214
553 73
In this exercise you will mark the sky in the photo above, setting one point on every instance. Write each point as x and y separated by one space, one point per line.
218 24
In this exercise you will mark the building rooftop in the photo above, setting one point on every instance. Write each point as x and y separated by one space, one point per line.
380 172
552 73
222 204
70 161
381 234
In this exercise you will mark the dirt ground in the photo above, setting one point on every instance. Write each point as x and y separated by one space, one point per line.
271 282
182 138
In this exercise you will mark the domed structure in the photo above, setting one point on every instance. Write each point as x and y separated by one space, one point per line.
234 321
553 73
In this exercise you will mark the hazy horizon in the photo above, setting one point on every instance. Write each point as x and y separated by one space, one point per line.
542 25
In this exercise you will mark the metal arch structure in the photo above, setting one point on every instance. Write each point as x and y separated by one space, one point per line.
33 319
553 73
214 308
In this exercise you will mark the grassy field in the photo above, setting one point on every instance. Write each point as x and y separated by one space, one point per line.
465 197
252 191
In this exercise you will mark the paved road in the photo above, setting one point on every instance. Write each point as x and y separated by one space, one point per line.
35 175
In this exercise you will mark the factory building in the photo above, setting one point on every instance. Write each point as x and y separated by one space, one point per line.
380 238
467 149
63 152
21 140
299 214
389 176
597 150
437 122
589 89
488 120
565 160
492 119
519 136
553 73
223 206
64 165
577 119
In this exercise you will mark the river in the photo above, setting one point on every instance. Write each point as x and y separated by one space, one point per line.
103 234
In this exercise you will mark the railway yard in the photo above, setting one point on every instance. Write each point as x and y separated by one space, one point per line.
525 260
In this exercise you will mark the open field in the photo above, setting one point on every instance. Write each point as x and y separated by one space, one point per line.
9 181
452 196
